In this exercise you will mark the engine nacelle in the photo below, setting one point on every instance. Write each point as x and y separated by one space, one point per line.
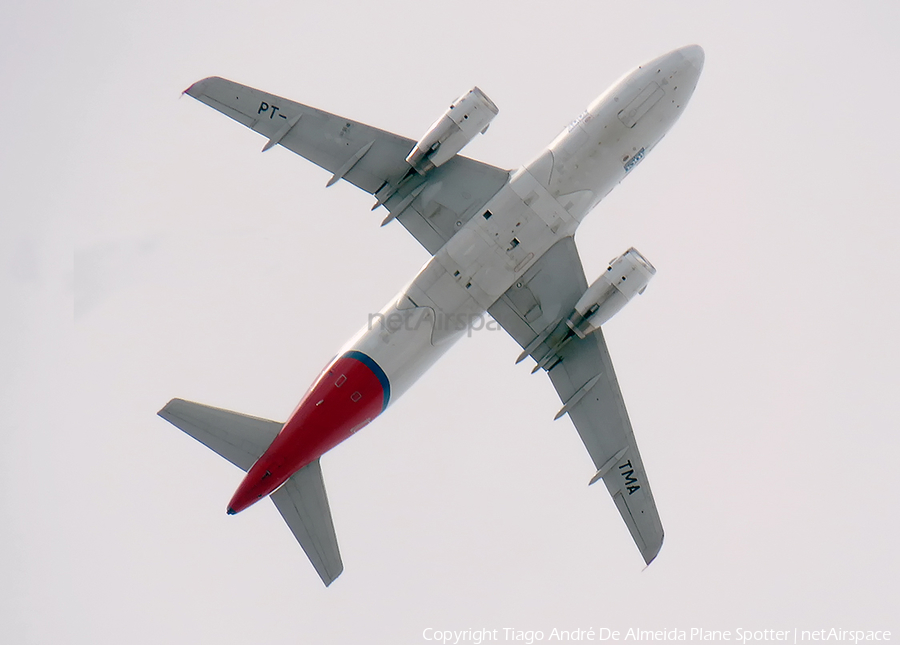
626 276
468 115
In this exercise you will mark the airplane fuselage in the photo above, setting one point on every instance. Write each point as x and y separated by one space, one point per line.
542 203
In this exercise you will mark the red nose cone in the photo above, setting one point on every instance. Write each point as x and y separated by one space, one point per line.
351 392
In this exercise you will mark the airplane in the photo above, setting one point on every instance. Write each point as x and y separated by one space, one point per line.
502 242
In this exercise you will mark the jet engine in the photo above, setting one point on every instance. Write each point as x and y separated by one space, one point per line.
468 115
626 276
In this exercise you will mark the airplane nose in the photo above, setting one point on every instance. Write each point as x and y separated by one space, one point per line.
694 55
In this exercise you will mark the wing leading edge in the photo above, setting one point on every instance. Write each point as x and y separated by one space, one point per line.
586 383
431 207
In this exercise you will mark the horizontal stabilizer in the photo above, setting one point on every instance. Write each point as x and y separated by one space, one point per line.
240 438
303 504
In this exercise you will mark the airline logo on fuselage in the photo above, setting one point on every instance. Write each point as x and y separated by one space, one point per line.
635 160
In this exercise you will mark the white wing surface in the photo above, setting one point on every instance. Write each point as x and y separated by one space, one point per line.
432 207
586 383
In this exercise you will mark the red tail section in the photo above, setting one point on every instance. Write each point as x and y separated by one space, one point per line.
351 392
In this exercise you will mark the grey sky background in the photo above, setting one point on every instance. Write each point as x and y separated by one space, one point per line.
759 368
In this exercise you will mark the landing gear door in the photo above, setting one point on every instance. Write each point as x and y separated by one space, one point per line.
641 104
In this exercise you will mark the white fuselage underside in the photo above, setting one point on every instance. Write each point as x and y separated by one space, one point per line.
542 203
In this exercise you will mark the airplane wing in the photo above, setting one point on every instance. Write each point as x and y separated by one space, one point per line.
432 207
533 314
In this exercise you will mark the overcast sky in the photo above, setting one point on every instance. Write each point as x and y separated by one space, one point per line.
759 368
